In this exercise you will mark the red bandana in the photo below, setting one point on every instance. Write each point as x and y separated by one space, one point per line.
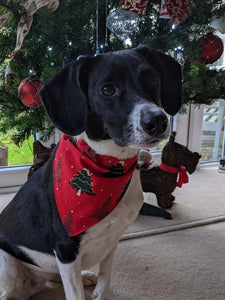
87 186
183 176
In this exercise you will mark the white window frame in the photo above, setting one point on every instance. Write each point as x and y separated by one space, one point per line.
11 178
189 127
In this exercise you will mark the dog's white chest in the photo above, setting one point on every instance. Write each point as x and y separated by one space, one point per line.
101 238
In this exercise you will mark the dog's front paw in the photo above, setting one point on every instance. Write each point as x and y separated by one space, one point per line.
98 296
100 292
89 278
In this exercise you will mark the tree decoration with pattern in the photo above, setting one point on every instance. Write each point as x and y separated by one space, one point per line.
115 170
58 172
124 191
102 212
83 183
68 223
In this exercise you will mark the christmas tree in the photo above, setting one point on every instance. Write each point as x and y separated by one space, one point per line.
62 30
115 170
57 174
103 211
68 223
82 182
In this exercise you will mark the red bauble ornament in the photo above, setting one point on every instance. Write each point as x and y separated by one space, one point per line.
212 48
28 91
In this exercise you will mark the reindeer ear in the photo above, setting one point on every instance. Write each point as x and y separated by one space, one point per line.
170 78
172 137
65 100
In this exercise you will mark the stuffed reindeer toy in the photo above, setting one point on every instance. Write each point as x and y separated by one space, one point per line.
41 155
162 179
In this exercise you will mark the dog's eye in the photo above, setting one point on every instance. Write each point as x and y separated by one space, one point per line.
108 89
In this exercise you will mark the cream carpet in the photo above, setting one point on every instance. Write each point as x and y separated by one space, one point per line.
179 259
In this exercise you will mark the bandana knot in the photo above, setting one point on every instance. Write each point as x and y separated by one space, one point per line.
183 176
87 186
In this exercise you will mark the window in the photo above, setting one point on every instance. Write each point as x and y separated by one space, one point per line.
213 135
14 174
12 155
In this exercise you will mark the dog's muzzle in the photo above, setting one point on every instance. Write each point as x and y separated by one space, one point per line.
155 123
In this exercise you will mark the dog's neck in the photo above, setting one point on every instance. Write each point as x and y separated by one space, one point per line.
108 147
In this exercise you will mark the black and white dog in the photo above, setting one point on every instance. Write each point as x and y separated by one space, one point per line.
114 102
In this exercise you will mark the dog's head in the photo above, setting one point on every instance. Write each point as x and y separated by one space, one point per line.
119 96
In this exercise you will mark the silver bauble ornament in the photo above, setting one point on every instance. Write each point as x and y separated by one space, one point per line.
218 24
122 23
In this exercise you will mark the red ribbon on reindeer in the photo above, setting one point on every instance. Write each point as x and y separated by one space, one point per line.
183 176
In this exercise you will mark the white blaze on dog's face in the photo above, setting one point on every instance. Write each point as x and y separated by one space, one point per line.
147 126
120 96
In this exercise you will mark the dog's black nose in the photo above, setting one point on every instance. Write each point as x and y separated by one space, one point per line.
154 123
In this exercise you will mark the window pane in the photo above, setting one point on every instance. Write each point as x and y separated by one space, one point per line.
12 155
213 131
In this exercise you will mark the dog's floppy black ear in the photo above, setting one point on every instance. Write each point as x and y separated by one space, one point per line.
170 77
64 99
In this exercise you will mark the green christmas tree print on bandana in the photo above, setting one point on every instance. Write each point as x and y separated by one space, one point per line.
83 183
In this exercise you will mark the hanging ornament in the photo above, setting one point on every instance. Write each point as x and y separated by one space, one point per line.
28 91
103 47
177 10
29 7
163 11
106 48
212 48
3 20
178 55
219 24
139 7
122 23
125 20
9 75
